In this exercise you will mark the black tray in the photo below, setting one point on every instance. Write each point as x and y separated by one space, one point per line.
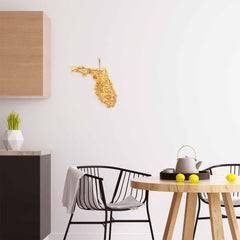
203 175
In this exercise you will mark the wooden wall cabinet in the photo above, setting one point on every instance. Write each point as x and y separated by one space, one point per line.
24 53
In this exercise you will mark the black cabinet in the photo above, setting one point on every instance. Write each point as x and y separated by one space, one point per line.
25 197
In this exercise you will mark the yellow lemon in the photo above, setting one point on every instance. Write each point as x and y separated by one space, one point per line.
180 177
193 178
231 177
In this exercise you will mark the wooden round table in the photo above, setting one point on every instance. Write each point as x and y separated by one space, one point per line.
213 187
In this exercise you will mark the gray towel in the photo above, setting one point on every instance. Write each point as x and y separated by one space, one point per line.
71 188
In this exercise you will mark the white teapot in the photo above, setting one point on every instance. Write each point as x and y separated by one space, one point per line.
187 164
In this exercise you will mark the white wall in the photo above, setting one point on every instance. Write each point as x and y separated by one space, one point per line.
175 67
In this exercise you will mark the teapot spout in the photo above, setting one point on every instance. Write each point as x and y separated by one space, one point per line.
198 164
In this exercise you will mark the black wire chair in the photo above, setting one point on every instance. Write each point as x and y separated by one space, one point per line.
203 197
91 196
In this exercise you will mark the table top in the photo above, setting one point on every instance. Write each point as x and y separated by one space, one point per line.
216 183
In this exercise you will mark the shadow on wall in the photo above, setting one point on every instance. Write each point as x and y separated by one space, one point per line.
2 130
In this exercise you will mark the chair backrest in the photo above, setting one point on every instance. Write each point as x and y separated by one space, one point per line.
91 191
91 195
123 187
224 169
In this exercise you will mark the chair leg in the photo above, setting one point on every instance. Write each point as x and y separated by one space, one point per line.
69 222
197 217
110 227
149 220
105 225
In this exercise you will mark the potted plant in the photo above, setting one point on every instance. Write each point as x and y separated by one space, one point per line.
13 138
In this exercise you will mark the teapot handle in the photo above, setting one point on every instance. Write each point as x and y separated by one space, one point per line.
189 147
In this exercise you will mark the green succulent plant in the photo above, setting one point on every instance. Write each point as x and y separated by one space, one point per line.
13 121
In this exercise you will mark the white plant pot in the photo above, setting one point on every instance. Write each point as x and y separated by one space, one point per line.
13 140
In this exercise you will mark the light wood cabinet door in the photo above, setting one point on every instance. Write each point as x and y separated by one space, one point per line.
24 53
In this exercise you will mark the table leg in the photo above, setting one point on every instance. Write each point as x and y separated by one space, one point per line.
232 220
189 219
216 216
172 216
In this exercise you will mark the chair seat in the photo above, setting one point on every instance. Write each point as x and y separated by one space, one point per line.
236 200
129 203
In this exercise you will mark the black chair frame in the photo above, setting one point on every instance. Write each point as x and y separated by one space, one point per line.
100 204
233 169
